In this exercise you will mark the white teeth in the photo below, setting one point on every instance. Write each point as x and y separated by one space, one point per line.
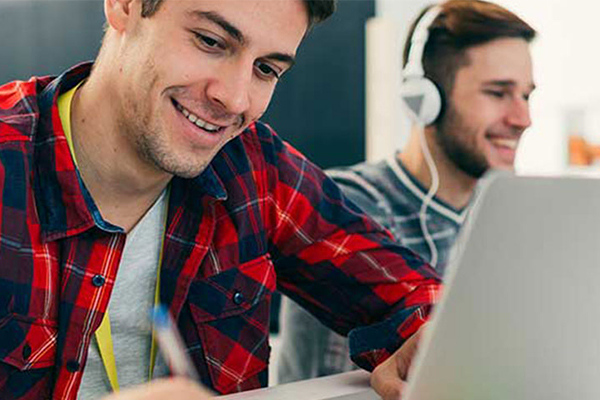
510 143
193 118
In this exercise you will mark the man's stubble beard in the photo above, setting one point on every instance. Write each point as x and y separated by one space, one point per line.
155 152
151 147
458 143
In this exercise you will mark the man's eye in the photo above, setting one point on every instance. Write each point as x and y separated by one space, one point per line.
208 41
495 93
267 70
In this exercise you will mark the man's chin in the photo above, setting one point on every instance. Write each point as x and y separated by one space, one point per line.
183 171
189 173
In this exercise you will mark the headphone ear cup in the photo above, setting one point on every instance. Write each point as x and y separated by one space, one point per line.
422 99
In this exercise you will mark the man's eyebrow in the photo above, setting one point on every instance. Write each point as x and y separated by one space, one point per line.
499 82
506 83
219 20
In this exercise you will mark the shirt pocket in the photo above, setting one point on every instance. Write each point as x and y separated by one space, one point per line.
27 356
231 313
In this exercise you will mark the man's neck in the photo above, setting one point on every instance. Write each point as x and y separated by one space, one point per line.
122 185
455 187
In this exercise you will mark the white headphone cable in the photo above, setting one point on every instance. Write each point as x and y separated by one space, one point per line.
433 188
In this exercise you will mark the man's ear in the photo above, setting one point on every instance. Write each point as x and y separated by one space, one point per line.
118 13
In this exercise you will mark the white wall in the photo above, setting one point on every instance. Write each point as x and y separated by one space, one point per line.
566 68
387 125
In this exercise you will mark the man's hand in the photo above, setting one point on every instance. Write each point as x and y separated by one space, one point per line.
389 378
163 389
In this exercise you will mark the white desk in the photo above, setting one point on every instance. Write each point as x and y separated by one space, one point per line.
348 386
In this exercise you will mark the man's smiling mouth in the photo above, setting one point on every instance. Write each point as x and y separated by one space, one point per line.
196 120
504 142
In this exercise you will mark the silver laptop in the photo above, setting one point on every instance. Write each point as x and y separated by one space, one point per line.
520 316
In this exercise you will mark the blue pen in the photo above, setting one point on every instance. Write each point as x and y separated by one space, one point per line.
171 345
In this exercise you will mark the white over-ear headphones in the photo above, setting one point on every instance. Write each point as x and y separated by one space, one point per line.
421 96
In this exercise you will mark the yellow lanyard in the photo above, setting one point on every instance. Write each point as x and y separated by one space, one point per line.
103 333
104 336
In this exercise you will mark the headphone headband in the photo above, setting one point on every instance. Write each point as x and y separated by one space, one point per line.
414 65
422 97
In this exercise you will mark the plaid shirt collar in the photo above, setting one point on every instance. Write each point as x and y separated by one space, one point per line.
65 206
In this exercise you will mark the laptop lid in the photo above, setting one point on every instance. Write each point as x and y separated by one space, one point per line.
519 315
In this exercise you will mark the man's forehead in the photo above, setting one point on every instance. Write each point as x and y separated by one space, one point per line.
280 20
251 9
506 59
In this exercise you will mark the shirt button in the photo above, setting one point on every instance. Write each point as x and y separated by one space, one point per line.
26 351
98 280
72 366
238 298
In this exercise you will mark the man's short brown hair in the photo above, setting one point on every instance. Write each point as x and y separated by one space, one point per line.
463 24
318 10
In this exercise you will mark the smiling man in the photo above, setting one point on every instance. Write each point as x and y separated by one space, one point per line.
478 55
147 174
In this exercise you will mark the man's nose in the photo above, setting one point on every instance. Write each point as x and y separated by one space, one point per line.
519 115
231 87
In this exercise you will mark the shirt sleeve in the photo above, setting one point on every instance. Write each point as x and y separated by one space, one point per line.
337 262
356 189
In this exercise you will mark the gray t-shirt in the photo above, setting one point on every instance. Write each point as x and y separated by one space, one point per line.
130 303
393 197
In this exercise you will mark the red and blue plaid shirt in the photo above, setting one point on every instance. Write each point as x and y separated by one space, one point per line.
259 217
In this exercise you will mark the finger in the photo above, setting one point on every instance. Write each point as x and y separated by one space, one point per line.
406 354
404 360
388 385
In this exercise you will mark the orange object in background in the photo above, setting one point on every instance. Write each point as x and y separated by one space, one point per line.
581 152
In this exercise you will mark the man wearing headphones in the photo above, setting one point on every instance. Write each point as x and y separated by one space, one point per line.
467 79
